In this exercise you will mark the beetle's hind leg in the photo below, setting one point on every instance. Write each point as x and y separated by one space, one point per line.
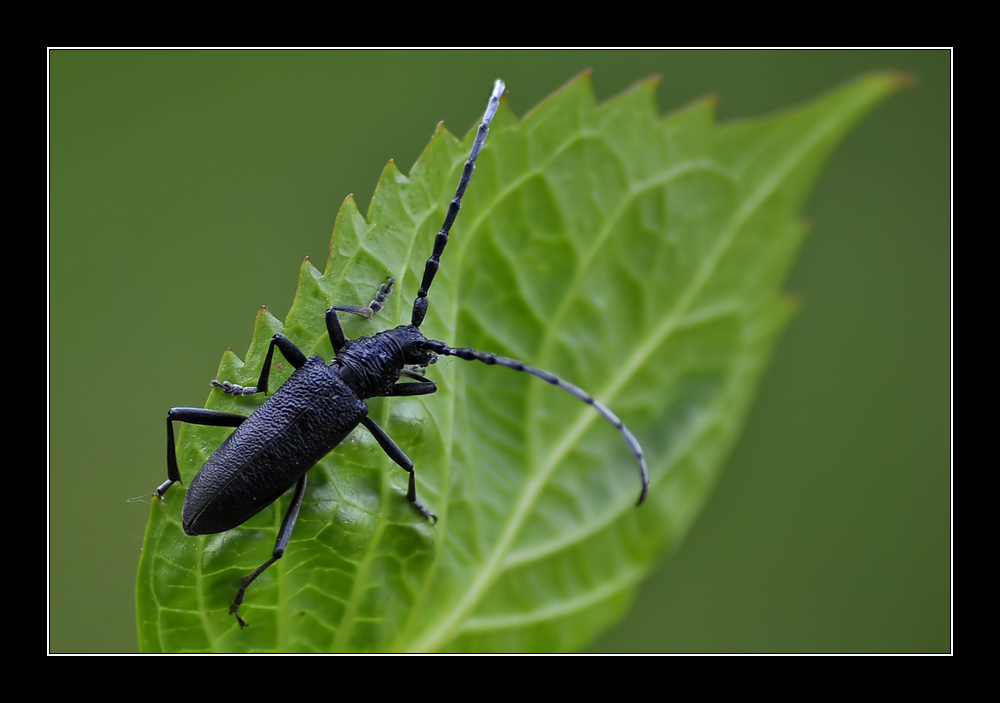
284 534
396 454
192 416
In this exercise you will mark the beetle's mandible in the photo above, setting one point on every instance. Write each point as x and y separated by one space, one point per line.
321 404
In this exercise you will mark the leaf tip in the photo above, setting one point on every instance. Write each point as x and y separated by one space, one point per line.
264 315
885 82
308 267
350 206
649 81
901 79
391 170
793 302
583 78
264 326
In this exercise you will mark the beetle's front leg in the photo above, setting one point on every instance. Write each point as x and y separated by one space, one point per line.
333 328
409 389
288 349
366 311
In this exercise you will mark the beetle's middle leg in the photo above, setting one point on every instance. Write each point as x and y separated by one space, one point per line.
284 534
288 349
396 454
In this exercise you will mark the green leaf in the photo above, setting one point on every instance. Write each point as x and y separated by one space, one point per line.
638 258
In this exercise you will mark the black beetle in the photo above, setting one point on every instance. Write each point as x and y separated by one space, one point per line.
320 405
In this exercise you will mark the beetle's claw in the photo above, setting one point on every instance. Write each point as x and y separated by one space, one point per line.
235 610
234 389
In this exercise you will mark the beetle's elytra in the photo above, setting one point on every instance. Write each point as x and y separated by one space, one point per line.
320 404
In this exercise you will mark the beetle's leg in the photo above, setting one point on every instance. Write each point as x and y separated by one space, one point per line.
336 332
288 350
422 388
366 311
333 328
381 294
284 534
193 416
396 454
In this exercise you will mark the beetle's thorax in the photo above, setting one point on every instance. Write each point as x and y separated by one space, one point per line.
371 365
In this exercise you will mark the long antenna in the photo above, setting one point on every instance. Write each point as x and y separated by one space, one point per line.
441 240
494 360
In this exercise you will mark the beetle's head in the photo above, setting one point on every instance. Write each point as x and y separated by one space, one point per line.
413 345
419 355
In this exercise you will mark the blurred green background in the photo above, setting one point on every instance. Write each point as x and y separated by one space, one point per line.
830 528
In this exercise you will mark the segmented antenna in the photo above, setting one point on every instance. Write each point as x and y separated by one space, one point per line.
441 240
494 360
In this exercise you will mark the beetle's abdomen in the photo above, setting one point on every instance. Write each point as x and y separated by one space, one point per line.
305 418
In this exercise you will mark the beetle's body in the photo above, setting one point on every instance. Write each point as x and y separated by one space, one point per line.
309 415
319 405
